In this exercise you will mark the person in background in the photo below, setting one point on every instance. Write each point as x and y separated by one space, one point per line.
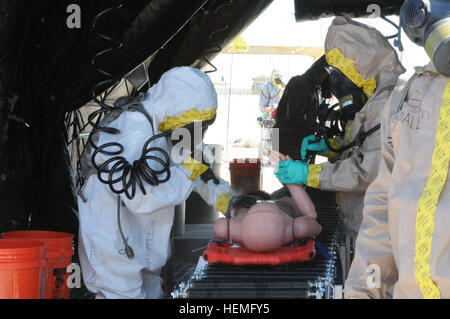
271 95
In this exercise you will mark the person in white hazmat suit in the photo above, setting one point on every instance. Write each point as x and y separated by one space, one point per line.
271 93
124 236
403 248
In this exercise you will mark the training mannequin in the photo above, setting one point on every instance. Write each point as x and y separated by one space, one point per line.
268 225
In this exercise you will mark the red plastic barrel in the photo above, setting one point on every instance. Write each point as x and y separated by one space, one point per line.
59 252
21 267
245 175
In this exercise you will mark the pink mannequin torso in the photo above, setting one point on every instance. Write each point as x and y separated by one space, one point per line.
267 226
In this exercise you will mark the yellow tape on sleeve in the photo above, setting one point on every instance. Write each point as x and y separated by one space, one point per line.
314 175
426 208
222 203
197 169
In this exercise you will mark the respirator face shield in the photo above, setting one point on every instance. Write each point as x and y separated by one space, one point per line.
351 98
427 23
277 79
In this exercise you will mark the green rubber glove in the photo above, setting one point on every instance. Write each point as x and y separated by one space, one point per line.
292 172
320 147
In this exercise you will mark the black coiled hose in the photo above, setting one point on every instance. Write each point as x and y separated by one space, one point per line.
130 176
122 177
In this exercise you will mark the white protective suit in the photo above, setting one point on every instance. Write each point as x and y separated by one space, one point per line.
271 93
182 96
404 238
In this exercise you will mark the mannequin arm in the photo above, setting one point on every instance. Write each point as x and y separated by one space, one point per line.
302 200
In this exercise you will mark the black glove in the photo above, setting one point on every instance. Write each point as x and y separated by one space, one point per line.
209 175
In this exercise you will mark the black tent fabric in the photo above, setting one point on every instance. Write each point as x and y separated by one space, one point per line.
47 66
46 71
42 63
198 37
313 10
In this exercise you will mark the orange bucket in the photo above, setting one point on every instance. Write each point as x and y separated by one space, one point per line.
21 266
58 251
245 175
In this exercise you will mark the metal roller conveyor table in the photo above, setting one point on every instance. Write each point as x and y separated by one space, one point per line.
320 278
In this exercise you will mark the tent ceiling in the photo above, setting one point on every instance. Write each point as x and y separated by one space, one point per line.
313 10
47 66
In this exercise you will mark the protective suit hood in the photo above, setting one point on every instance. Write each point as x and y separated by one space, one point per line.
275 74
363 54
182 96
367 58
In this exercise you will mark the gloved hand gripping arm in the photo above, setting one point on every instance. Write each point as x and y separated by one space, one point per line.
288 171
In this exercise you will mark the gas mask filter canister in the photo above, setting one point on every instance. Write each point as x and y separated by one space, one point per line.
427 23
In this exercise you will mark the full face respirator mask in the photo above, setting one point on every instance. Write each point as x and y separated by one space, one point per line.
277 79
427 23
351 98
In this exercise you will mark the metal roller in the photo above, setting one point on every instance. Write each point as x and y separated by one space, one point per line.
273 284
244 293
